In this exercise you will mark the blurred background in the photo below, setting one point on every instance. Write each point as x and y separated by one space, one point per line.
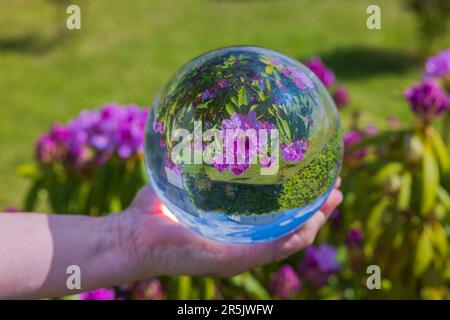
124 52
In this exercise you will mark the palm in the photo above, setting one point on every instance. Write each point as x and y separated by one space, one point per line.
181 251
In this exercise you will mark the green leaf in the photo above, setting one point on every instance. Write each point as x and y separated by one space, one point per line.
442 153
261 96
439 238
446 273
234 100
424 253
210 288
231 109
280 127
115 204
31 198
184 287
250 284
83 198
386 171
285 128
374 228
268 85
430 180
444 197
143 172
71 297
269 69
242 97
404 195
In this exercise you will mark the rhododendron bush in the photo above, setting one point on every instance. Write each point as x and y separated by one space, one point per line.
395 214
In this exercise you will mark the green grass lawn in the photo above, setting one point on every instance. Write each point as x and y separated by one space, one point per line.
126 51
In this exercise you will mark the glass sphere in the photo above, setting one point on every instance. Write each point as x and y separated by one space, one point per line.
243 144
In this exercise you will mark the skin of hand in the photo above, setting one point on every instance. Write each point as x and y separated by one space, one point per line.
169 248
36 249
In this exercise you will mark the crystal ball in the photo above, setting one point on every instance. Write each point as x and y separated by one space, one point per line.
243 144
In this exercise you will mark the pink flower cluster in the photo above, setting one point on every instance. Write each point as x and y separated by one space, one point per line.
244 122
339 92
98 294
285 282
293 152
438 66
319 263
95 136
427 99
325 74
210 92
299 79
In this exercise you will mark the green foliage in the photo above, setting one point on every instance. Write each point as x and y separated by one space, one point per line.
314 179
403 205
100 190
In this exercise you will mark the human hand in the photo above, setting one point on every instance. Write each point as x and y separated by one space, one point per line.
161 246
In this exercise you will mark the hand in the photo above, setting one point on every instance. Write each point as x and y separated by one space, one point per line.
161 246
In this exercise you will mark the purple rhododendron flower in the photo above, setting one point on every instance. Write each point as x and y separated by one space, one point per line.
171 165
267 161
394 122
158 126
99 294
341 97
95 135
335 218
11 210
300 80
438 66
427 99
295 151
275 61
351 138
371 130
318 264
321 71
47 149
238 169
219 164
285 282
208 94
244 122
240 121
267 125
222 83
354 238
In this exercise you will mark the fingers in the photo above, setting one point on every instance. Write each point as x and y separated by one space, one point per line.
332 202
307 233
302 238
338 183
146 200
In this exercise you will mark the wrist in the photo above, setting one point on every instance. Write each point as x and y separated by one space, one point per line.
133 245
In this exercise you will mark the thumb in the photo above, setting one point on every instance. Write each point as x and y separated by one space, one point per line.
146 200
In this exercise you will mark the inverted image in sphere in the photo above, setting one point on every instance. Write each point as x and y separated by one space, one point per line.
243 144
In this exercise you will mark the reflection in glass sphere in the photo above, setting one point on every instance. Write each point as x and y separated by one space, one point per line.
243 144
